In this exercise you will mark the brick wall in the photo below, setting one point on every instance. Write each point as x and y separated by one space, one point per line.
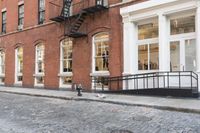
51 34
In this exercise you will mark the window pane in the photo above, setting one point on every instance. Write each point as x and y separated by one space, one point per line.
154 60
40 58
101 52
67 66
66 61
66 80
100 82
175 56
19 60
2 62
19 78
143 57
182 25
21 15
39 80
2 79
40 67
190 55
147 31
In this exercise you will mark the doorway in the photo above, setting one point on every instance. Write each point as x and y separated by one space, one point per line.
183 54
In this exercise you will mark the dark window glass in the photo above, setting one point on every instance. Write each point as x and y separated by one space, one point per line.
21 15
41 12
3 22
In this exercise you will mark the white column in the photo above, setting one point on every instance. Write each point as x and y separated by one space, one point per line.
164 51
198 39
129 50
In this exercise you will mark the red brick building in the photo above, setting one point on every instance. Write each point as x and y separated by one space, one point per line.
39 52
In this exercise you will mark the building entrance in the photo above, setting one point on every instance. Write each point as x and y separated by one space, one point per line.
183 55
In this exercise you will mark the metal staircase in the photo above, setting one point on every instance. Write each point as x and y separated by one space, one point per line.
73 23
73 32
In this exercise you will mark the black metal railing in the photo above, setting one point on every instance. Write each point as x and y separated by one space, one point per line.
154 80
56 6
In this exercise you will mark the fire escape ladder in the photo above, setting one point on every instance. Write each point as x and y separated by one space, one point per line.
73 32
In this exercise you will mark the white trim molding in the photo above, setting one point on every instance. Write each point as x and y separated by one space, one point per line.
162 11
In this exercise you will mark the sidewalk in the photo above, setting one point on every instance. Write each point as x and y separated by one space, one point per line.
183 105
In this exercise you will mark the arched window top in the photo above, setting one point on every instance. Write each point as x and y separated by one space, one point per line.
40 46
66 42
101 36
19 50
2 51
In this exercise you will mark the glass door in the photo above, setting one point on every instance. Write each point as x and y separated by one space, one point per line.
183 55
175 56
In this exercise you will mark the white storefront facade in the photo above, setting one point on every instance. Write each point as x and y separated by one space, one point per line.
161 35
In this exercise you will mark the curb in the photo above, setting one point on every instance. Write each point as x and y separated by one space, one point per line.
184 110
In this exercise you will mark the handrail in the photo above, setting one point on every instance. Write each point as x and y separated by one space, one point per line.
153 80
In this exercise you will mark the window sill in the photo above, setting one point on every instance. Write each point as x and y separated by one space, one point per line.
65 86
39 85
39 75
2 75
18 84
65 74
101 74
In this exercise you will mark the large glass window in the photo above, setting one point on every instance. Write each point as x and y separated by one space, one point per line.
21 15
149 30
148 57
66 56
2 66
101 43
3 28
39 64
148 49
175 56
190 55
66 62
182 25
41 12
19 65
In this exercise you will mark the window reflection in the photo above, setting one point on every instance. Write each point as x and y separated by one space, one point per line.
147 31
101 52
182 25
148 57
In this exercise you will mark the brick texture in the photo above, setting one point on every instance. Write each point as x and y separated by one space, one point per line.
51 34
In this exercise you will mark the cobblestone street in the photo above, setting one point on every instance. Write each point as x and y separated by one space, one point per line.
25 114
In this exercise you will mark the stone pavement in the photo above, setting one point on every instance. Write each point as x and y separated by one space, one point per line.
166 103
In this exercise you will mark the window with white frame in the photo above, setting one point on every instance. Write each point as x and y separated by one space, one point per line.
21 15
2 66
66 62
39 65
148 48
3 28
19 65
101 52
41 11
182 25
100 61
183 43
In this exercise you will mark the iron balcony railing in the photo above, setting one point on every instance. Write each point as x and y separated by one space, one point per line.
56 6
154 80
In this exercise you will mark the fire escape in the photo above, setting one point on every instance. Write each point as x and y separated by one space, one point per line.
74 15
